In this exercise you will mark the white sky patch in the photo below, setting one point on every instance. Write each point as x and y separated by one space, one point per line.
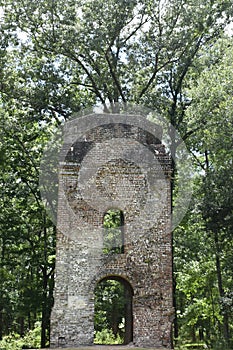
229 29
1 13
23 36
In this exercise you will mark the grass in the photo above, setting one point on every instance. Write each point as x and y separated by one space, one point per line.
107 347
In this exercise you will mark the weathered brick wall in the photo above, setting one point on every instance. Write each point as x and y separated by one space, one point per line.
117 163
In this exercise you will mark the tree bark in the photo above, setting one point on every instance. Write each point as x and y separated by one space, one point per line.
128 317
226 333
1 324
21 322
114 320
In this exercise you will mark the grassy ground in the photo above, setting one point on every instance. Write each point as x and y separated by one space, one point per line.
107 347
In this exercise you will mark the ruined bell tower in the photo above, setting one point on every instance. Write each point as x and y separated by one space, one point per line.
116 162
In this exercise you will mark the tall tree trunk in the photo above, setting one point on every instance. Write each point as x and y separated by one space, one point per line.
50 299
128 316
114 320
29 321
45 312
220 287
21 322
2 258
1 323
173 153
44 323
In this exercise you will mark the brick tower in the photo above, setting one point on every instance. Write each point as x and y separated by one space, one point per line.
119 162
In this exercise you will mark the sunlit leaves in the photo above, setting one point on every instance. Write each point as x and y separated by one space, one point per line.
105 43
204 277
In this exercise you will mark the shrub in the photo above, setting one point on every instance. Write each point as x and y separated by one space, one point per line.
13 341
106 336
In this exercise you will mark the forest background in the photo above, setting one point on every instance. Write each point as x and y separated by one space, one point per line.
60 57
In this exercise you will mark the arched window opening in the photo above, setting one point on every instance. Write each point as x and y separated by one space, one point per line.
113 240
113 312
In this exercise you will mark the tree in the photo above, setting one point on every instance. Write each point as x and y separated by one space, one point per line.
27 236
99 49
113 231
35 99
212 148
109 306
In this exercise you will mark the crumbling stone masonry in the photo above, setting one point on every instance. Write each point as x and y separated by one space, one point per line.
113 161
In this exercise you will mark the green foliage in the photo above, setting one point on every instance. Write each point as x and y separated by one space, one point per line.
193 346
31 340
113 233
106 336
26 233
203 244
109 306
86 49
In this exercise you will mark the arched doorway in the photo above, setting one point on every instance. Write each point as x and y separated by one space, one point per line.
113 318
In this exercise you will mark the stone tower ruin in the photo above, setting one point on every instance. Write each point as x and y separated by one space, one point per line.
113 162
